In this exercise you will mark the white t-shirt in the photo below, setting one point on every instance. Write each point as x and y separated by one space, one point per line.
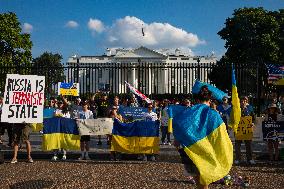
164 117
85 115
150 116
65 115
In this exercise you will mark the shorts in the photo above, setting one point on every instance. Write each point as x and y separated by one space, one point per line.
85 138
21 131
189 166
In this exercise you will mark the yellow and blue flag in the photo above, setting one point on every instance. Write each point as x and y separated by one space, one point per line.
235 114
60 133
47 113
202 133
68 89
138 137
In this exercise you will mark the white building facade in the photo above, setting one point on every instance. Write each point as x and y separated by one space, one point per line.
147 70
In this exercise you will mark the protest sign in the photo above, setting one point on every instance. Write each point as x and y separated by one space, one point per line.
244 131
132 113
70 89
23 99
273 130
100 126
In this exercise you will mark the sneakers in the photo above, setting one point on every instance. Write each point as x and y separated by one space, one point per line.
54 158
169 143
237 162
81 158
64 157
251 162
87 157
163 143
30 160
14 161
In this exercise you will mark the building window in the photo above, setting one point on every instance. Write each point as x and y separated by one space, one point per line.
172 58
184 58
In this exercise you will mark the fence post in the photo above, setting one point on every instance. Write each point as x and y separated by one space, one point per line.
258 88
198 68
77 70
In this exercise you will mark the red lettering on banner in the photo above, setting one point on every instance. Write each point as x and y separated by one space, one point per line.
27 98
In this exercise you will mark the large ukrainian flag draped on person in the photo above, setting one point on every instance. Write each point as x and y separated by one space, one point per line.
138 137
235 114
60 133
202 133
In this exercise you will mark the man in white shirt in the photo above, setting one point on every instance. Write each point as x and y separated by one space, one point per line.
150 115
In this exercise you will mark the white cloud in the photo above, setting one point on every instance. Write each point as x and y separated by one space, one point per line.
127 32
71 24
96 25
27 28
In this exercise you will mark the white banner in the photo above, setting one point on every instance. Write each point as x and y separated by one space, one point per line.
23 99
100 126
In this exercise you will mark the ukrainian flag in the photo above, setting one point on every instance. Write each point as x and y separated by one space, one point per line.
60 133
47 113
235 114
202 133
68 89
138 137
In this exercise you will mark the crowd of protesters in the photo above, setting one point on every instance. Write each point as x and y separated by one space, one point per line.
100 106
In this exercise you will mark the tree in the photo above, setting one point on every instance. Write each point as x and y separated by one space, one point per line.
15 47
251 35
49 65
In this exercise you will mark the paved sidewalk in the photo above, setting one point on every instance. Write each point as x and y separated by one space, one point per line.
102 151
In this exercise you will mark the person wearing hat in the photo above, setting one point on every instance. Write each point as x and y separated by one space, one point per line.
246 110
272 144
85 113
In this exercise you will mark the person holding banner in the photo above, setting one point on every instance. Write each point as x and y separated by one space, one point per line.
115 115
164 123
103 111
21 131
61 111
246 110
5 126
149 116
271 115
85 113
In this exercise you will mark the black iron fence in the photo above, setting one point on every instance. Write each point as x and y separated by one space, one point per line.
149 78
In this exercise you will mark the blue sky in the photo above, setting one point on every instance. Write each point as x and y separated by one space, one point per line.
89 27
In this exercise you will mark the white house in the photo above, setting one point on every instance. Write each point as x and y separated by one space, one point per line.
148 70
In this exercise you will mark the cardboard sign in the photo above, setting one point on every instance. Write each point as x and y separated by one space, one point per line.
69 89
132 113
23 99
273 130
244 131
100 126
